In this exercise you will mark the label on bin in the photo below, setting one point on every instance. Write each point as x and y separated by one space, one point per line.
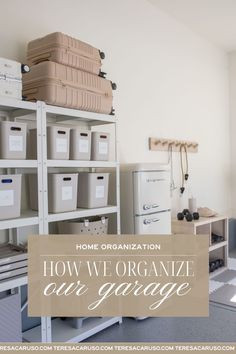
100 192
103 148
83 145
61 145
66 193
7 198
15 143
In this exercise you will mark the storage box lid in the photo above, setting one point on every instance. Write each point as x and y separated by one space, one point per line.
145 166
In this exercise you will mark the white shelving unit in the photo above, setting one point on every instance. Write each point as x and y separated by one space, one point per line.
43 114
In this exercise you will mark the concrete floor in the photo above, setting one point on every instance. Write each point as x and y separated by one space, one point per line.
219 327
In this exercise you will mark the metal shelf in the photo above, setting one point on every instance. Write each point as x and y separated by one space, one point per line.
81 213
13 282
18 163
9 104
42 113
27 218
63 332
81 164
68 113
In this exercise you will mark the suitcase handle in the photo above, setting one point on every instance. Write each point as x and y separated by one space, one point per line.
83 134
6 180
16 129
67 179
103 136
61 132
100 177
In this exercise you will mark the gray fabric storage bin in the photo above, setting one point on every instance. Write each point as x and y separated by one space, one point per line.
10 196
62 192
100 146
10 318
13 140
96 225
80 144
92 190
58 143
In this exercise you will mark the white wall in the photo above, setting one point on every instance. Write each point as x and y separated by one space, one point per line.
171 82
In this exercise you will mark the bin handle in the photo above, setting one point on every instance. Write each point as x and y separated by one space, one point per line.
67 179
61 132
16 129
100 177
83 134
6 180
103 136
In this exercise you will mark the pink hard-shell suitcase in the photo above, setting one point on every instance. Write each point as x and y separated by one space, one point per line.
63 49
61 85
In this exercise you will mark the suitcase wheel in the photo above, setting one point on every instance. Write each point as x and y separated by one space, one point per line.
113 85
102 74
102 55
25 68
112 112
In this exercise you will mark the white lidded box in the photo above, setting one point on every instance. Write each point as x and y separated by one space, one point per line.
10 68
62 192
92 189
10 88
10 196
100 146
10 79
13 140
58 143
80 144
96 225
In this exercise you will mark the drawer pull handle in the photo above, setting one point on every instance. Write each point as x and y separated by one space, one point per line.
150 221
150 206
61 132
83 134
100 177
67 179
103 136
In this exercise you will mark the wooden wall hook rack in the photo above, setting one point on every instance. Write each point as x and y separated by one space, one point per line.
159 144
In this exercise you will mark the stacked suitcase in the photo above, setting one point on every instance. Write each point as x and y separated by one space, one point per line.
67 72
11 78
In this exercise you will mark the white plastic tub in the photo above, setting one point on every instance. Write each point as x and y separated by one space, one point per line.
58 143
13 140
80 144
62 192
10 196
92 190
100 146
